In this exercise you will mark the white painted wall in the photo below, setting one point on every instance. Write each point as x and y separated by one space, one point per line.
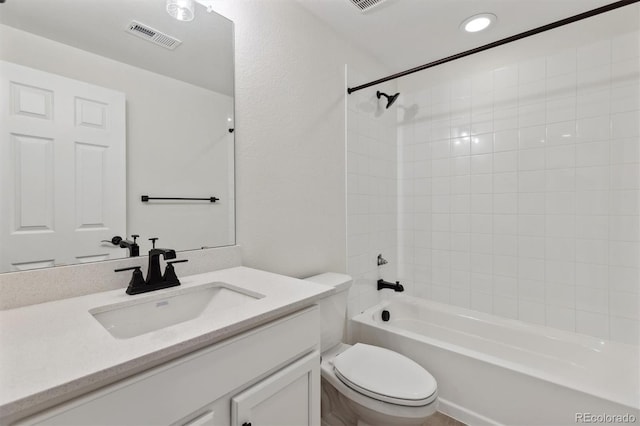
163 116
290 157
520 177
290 141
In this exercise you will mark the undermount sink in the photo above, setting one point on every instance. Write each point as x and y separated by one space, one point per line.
133 318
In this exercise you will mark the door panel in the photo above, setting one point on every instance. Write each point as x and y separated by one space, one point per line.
62 169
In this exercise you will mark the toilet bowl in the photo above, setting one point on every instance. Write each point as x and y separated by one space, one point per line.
369 385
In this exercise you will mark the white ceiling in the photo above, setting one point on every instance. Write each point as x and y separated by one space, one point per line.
403 34
205 57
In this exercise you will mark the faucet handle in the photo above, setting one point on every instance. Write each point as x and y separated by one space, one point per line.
137 279
170 273
153 241
135 236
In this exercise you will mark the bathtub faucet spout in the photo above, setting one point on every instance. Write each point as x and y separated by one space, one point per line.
385 284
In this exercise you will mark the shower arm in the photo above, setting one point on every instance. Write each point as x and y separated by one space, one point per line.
538 30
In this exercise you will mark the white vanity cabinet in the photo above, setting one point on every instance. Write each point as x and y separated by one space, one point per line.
268 376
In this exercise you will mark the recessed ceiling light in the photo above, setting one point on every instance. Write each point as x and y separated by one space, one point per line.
478 22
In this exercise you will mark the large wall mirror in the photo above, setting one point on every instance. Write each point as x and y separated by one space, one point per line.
104 102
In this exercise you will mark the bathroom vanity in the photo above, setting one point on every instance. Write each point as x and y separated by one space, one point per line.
251 360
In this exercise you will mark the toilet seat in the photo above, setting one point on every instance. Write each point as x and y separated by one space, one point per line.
385 375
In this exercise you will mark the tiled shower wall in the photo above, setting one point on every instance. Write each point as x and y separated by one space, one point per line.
519 190
371 192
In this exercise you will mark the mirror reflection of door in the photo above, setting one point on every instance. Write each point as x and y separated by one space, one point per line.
63 167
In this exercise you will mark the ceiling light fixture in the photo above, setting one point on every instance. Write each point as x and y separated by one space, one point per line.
182 10
478 22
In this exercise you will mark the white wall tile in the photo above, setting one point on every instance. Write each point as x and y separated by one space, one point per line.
594 79
562 295
593 324
482 144
531 225
626 46
592 299
532 70
561 133
625 304
625 72
526 203
505 140
592 251
531 181
504 182
625 124
482 82
530 289
596 128
625 98
531 159
594 203
482 163
562 87
595 54
625 330
482 183
561 109
505 306
592 227
558 157
592 275
561 63
530 311
625 151
560 179
532 137
533 114
592 154
593 103
507 76
560 317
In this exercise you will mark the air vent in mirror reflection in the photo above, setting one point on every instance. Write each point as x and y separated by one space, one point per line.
154 36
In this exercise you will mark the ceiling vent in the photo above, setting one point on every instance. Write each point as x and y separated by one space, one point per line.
154 36
365 5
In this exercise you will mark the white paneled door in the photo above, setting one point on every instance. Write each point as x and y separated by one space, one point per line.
62 169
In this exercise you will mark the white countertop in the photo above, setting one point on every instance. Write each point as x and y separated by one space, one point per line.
55 351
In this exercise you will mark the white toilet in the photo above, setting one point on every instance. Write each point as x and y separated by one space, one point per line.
364 384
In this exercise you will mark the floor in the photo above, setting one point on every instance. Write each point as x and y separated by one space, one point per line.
439 419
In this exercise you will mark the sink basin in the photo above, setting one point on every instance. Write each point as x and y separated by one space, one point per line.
133 318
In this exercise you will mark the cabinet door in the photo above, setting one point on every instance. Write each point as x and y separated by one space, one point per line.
290 397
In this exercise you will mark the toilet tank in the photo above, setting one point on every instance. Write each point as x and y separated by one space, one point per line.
333 308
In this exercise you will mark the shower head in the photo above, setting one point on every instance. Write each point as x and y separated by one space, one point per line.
390 99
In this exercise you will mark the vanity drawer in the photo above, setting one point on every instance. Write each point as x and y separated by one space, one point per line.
173 391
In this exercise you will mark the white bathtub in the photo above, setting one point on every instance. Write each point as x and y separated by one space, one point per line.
492 370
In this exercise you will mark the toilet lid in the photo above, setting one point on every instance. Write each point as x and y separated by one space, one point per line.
385 375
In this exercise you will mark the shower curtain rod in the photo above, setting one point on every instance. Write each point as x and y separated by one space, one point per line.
538 30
